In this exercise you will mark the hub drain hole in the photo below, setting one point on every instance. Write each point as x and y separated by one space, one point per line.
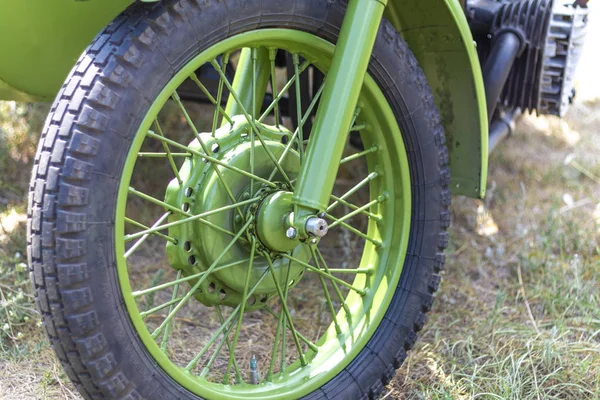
222 294
186 207
215 148
211 287
189 192
263 299
252 301
187 246
192 260
285 140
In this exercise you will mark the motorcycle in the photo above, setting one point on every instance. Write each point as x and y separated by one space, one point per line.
250 199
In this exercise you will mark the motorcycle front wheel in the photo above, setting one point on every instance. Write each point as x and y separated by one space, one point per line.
155 266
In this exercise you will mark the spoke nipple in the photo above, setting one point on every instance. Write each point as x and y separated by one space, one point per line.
246 196
291 233
238 219
314 241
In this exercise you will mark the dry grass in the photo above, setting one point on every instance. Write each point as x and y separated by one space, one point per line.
518 316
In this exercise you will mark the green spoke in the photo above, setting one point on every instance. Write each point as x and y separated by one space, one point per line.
205 148
162 155
144 237
274 352
296 61
286 310
338 329
212 159
220 98
155 201
356 114
336 288
355 271
192 218
303 338
250 121
217 351
192 364
325 274
165 338
175 210
214 337
346 203
167 285
202 279
352 229
355 189
161 307
294 137
272 56
346 217
359 155
253 51
242 309
210 97
160 220
282 321
238 374
285 89
358 128
168 151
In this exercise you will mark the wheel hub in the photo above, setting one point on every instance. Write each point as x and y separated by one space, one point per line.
272 222
201 244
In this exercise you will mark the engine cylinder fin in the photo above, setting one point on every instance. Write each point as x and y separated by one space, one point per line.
552 33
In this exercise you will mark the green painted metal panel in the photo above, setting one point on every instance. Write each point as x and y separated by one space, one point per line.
40 41
439 36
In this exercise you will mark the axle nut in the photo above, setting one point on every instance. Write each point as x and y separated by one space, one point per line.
291 233
317 227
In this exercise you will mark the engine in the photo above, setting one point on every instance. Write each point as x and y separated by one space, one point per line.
551 35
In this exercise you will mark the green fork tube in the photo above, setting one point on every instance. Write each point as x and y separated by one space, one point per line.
251 78
337 107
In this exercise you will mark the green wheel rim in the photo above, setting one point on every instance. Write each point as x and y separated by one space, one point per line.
369 293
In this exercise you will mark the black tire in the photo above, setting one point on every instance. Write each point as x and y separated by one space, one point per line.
79 162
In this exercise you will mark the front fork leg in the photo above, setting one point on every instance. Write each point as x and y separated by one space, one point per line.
336 111
337 107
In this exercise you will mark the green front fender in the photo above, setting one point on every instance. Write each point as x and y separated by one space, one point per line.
43 39
439 36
